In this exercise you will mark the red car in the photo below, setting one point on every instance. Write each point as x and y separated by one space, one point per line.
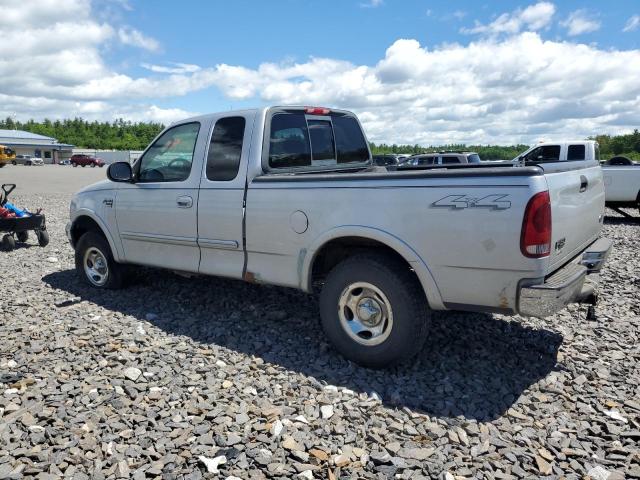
84 160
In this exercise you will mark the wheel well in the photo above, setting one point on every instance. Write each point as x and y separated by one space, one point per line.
335 251
83 225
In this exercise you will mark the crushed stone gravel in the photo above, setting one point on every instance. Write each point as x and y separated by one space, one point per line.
180 378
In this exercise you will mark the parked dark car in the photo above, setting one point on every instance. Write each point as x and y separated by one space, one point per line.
86 160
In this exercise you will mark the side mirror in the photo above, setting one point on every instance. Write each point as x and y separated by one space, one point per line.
120 172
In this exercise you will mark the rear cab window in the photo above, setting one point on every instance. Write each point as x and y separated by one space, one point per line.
312 141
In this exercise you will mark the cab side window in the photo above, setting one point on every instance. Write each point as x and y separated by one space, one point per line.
225 149
449 160
544 153
576 152
170 157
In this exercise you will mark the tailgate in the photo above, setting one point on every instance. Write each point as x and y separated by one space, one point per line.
577 206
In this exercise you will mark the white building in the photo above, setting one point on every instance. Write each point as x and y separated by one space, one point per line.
39 146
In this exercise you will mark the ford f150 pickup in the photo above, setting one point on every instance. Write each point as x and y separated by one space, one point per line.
289 196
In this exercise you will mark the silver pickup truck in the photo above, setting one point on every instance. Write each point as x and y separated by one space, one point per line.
289 196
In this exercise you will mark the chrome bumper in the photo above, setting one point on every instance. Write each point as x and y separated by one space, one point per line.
573 283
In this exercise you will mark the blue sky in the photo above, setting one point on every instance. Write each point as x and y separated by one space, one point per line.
248 32
416 71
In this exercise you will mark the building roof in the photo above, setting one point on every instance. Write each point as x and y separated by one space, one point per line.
22 135
20 138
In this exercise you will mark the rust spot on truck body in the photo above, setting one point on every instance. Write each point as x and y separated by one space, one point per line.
250 277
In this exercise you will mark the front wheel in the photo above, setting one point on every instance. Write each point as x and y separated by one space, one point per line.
95 263
374 311
93 165
74 164
22 236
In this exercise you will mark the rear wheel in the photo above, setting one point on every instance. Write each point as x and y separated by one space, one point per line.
22 236
95 263
74 164
93 165
374 311
8 243
13 163
43 238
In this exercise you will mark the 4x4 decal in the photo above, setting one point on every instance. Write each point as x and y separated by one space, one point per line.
496 201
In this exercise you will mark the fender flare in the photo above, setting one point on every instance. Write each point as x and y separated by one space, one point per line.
402 248
85 212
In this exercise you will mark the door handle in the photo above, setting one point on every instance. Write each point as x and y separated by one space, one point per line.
184 202
584 183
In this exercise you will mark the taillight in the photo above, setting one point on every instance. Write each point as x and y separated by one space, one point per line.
535 239
317 111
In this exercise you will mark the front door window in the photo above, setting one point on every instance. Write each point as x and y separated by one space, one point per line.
170 157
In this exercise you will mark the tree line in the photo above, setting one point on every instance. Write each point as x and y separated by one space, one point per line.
117 135
126 135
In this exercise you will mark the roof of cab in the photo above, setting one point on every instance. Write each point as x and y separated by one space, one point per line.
260 110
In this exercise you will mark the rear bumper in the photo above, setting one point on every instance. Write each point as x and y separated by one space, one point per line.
576 282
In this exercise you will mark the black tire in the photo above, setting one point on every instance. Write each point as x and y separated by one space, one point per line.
22 236
14 163
43 238
83 165
407 302
8 243
93 165
94 240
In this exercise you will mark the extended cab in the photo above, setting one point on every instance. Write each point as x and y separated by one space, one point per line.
289 196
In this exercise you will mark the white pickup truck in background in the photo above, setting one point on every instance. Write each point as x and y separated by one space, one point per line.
621 175
289 196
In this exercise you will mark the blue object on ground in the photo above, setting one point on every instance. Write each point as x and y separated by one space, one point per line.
16 210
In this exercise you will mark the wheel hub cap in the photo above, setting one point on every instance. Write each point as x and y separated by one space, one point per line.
96 267
369 311
365 313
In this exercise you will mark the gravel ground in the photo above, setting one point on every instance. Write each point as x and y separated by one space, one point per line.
190 378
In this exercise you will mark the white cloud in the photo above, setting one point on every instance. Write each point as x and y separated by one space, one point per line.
131 36
372 3
418 95
459 14
497 89
580 22
174 68
534 17
632 24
